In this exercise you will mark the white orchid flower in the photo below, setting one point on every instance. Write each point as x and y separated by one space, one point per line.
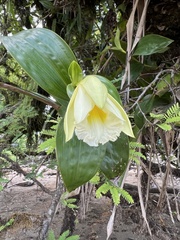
94 115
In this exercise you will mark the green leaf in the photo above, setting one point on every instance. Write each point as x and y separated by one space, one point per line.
157 116
175 119
117 41
9 223
77 161
103 189
48 146
45 57
47 3
75 73
74 237
166 81
142 109
51 235
135 69
64 235
151 44
116 158
126 195
95 179
115 195
164 126
3 180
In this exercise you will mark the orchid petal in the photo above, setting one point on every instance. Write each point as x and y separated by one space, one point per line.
82 105
95 89
99 131
127 129
114 107
69 123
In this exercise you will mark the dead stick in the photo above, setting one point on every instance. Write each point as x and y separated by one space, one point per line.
16 167
36 96
50 214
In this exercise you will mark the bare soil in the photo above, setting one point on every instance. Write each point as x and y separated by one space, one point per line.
28 204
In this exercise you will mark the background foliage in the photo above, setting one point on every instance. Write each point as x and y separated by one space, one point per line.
96 32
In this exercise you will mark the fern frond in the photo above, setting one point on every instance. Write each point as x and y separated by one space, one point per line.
138 154
48 146
173 111
49 132
135 155
157 116
115 191
64 235
54 127
51 235
172 116
95 179
103 189
126 195
136 145
115 195
175 119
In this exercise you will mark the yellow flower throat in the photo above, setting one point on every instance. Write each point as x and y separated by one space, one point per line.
96 114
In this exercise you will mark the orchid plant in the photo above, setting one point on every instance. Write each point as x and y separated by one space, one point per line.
93 132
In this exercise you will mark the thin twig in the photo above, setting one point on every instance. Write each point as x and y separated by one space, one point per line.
150 160
130 44
141 25
164 186
148 172
50 214
141 200
169 208
129 27
149 86
175 197
140 191
119 182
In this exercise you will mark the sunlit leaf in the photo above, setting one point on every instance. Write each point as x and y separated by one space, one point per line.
151 44
165 127
75 73
117 41
45 57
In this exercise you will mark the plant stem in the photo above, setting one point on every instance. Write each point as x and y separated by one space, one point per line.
34 95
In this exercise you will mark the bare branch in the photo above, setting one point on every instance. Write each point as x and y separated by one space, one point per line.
36 96
16 167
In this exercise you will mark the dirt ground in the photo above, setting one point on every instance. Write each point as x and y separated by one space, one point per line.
28 204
